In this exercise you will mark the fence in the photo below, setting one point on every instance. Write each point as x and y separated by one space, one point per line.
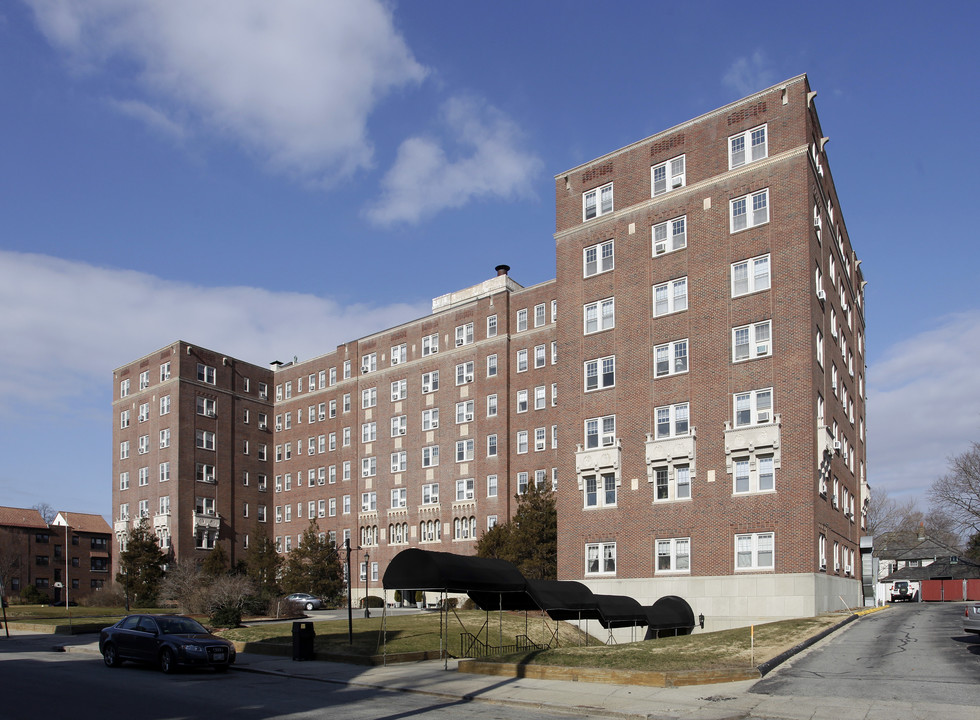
950 590
472 647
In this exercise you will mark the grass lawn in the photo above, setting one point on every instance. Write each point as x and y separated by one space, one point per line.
47 615
411 633
701 651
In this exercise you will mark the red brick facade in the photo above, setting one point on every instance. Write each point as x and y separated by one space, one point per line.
693 305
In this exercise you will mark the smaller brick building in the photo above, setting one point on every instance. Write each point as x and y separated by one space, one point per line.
35 553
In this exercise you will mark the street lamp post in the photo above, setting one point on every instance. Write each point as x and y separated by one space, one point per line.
367 582
350 616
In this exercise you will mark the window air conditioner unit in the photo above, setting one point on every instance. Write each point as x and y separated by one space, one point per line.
823 566
660 248
816 221
847 569
844 454
469 378
676 182
836 567
763 417
836 503
833 385
837 445
608 441
459 341
426 388
395 360
821 295
468 417
762 349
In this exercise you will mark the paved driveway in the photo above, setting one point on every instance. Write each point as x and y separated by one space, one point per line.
914 652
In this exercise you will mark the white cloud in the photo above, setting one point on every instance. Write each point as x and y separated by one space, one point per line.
150 116
293 81
749 74
425 178
924 404
67 325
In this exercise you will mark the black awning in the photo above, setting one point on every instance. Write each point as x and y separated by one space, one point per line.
415 569
670 613
620 611
561 599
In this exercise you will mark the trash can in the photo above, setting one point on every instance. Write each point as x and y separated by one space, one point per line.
303 634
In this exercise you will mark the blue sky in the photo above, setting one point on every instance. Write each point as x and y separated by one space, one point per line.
272 179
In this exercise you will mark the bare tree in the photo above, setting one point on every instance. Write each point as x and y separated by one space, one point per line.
956 494
9 563
47 512
884 514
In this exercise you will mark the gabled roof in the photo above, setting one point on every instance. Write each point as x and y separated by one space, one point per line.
22 517
83 522
910 545
941 569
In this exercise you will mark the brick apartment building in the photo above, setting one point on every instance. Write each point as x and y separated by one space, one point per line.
691 384
35 553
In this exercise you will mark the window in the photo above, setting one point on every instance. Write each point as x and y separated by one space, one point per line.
430 494
369 432
124 449
430 344
143 444
521 442
399 498
522 401
369 363
143 476
464 373
430 381
124 481
674 555
491 445
492 405
491 486
521 320
540 399
672 420
399 354
263 451
369 467
124 388
430 456
598 259
164 371
540 356
671 358
206 406
669 236
600 431
464 528
540 439
670 297
464 411
747 147
492 326
597 202
464 334
465 489
600 315
399 390
599 374
750 210
754 551
753 408
667 176
750 276
165 405
165 438
751 341
491 365
399 425
332 410
369 397
819 342
522 361
600 558
600 491
554 310
205 373
369 501
540 315
464 450
669 487
144 380
430 419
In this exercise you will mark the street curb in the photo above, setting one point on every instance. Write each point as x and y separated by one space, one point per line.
663 679
770 665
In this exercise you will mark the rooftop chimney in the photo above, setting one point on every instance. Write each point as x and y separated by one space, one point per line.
502 269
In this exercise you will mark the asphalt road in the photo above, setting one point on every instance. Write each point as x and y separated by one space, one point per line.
36 682
915 653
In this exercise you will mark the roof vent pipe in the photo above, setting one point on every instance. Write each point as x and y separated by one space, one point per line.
502 269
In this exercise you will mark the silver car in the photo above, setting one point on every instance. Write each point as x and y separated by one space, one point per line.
310 602
971 623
